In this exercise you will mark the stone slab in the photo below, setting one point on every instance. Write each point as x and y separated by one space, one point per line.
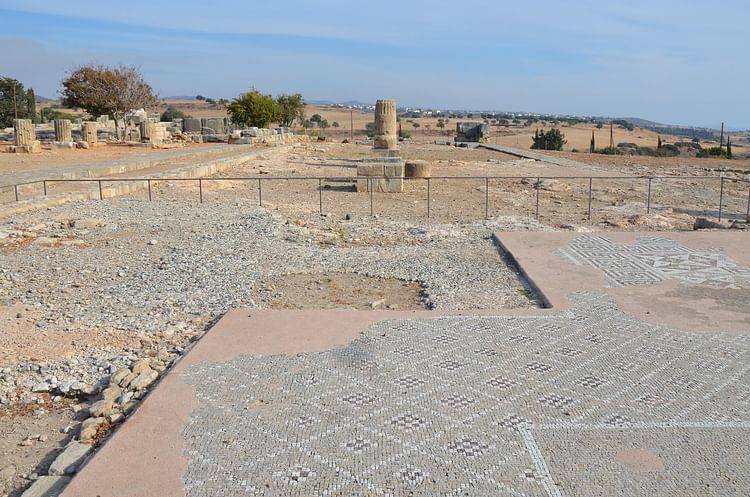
692 280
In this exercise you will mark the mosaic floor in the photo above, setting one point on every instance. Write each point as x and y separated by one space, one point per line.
653 259
586 402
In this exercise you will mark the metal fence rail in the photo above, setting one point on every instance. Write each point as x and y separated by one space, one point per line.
537 185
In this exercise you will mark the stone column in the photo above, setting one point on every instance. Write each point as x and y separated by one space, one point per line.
146 130
386 131
88 132
25 134
62 131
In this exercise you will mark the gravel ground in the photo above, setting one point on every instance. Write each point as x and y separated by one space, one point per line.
92 288
165 269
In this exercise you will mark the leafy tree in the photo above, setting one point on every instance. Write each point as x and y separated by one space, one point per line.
370 129
100 90
200 97
15 102
31 105
323 124
292 108
210 101
254 109
551 140
599 125
335 124
316 118
416 125
172 113
440 124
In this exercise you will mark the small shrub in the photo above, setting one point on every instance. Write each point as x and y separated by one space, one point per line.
713 152
172 113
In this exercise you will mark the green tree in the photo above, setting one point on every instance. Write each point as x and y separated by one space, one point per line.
31 105
551 140
99 90
15 102
200 97
254 109
316 118
323 124
335 124
440 124
291 108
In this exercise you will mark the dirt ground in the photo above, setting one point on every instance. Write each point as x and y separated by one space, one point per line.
12 163
339 291
30 435
563 202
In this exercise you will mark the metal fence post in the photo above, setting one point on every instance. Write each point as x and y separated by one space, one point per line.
15 188
260 193
648 199
591 183
538 187
200 189
721 197
101 193
320 196
428 198
486 197
45 187
370 188
149 190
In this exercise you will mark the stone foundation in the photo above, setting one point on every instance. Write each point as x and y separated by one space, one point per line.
385 177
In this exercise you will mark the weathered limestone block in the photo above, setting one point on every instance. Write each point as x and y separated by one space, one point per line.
191 125
370 170
24 129
381 185
63 132
386 130
476 132
88 132
213 126
418 169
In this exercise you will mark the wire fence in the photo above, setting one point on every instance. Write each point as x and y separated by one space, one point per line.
729 201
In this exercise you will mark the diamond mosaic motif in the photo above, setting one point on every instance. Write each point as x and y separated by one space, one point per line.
339 427
655 259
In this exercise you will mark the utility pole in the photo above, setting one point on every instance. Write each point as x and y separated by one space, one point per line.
611 137
351 125
721 139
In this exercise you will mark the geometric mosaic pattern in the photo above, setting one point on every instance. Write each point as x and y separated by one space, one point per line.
463 406
654 259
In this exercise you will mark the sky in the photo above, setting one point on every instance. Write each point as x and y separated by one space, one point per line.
678 62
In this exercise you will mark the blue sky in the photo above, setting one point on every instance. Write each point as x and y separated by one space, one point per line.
681 62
